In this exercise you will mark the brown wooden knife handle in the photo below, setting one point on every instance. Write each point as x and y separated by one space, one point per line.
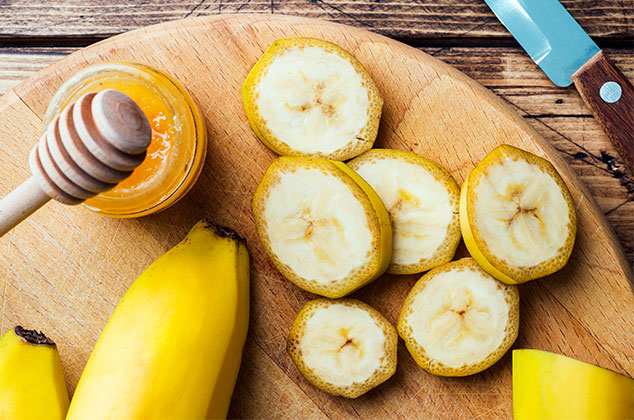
610 97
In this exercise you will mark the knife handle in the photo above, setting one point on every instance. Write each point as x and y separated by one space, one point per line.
610 97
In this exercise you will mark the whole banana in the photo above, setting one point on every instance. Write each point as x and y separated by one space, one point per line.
31 380
172 347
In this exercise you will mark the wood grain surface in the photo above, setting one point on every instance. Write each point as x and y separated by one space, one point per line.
464 33
411 19
65 269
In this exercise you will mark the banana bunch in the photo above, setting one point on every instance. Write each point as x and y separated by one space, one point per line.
171 349
173 345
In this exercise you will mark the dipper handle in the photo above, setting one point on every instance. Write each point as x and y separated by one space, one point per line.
20 204
94 144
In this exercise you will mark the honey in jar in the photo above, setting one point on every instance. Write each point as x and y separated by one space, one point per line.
178 148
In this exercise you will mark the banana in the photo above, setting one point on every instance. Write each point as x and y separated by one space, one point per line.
343 347
551 386
322 225
32 384
422 199
308 97
517 216
173 345
458 320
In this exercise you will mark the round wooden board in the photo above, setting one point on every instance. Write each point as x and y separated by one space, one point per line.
65 269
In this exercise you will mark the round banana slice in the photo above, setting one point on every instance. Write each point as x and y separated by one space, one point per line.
343 347
322 225
517 216
458 320
422 199
308 97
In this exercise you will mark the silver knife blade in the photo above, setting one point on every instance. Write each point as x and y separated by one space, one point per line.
552 38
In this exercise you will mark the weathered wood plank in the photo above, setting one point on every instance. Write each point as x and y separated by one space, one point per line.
558 114
398 18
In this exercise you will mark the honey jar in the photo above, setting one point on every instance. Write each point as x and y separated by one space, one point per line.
179 143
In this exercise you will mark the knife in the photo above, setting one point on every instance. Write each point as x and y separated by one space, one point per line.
561 48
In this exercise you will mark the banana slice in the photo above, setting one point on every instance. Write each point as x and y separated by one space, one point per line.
458 320
343 347
422 199
308 97
322 225
517 216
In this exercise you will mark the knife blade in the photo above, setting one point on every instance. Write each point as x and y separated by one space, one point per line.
563 50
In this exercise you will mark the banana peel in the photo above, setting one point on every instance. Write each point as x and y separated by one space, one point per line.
551 386
173 345
32 383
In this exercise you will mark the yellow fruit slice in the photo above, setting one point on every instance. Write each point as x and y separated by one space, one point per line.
550 386
517 216
309 97
458 320
343 347
322 225
422 199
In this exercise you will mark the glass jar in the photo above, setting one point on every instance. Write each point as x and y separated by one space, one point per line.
179 140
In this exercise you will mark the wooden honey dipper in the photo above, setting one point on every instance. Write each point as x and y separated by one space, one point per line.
89 148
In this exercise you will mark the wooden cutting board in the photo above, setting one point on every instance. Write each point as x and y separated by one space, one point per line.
64 269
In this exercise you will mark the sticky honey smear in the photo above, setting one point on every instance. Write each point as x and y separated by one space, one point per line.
517 216
322 226
309 97
458 320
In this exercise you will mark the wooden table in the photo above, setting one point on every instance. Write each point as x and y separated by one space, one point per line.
463 33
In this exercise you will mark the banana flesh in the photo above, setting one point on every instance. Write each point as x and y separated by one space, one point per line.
314 100
173 345
521 213
317 226
517 216
343 347
308 97
342 344
322 225
32 384
422 199
458 320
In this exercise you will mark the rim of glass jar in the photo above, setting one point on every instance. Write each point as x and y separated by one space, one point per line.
195 162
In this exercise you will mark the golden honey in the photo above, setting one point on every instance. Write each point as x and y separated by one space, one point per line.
178 147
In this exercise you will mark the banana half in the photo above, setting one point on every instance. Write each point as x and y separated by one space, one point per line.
458 320
308 97
343 347
517 216
422 199
322 225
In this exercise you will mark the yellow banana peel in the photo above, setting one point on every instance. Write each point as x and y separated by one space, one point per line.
550 386
172 347
31 380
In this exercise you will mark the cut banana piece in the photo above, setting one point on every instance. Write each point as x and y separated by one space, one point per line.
458 320
343 347
552 386
517 216
308 97
422 199
322 225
